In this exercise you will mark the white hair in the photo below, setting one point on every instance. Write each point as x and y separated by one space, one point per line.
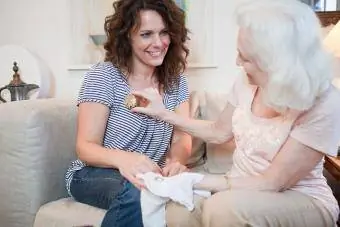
284 38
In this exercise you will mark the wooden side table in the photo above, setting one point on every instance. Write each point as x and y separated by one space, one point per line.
332 165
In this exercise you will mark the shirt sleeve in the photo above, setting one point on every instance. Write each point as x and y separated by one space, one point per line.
97 86
183 90
319 128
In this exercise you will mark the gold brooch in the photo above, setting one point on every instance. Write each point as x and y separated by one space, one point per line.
131 101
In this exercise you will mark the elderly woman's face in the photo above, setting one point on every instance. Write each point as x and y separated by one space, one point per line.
254 74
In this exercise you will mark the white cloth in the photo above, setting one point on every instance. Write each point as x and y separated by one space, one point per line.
159 190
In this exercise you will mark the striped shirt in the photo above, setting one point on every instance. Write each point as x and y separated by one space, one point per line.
125 130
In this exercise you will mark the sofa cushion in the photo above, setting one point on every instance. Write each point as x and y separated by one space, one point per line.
67 212
219 156
198 145
37 142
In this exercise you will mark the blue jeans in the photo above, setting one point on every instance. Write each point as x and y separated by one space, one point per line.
108 189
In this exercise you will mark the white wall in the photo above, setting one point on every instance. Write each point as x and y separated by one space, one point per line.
44 27
225 31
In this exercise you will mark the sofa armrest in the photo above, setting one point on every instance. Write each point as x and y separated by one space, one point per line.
37 143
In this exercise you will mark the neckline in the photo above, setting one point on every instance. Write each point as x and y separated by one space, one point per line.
129 88
250 109
126 82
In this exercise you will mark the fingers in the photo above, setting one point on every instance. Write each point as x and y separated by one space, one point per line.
148 111
143 102
155 168
142 94
141 165
150 167
140 110
173 169
166 171
138 183
147 165
144 168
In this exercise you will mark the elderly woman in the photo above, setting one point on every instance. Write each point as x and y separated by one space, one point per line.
284 116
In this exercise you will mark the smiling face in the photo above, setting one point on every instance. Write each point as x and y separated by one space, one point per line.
150 42
255 75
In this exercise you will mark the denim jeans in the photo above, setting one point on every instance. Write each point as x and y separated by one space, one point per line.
108 189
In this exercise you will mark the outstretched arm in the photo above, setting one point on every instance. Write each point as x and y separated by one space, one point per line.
211 131
293 162
314 135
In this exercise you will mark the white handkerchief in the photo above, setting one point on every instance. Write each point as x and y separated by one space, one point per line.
159 190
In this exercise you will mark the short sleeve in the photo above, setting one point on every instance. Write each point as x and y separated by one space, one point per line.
183 90
319 128
97 85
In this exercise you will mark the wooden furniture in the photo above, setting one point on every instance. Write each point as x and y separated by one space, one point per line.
328 18
332 165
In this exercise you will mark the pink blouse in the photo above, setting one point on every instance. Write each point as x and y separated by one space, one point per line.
258 139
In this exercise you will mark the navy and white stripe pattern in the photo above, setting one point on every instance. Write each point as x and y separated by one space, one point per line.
131 132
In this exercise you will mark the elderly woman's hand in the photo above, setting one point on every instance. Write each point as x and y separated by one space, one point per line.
173 168
154 106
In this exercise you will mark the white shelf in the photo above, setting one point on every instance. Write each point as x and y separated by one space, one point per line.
201 65
88 16
83 67
79 67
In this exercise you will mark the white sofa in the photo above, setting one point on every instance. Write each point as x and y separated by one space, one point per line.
37 143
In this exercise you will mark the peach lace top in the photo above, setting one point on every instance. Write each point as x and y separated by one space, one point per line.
258 139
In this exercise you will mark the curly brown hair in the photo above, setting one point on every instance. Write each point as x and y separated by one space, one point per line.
126 17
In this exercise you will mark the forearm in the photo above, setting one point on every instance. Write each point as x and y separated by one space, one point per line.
216 183
203 129
180 149
99 156
213 183
179 152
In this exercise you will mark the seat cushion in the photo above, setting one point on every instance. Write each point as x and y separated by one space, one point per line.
67 212
219 156
37 143
198 145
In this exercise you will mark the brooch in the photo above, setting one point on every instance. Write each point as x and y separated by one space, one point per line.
131 101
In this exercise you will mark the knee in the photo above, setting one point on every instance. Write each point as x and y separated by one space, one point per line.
130 195
179 216
220 210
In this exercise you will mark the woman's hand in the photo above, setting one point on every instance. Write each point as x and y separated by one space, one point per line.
173 168
213 183
154 107
134 163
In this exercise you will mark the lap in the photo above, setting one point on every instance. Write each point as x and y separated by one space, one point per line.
97 186
108 189
251 208
178 215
